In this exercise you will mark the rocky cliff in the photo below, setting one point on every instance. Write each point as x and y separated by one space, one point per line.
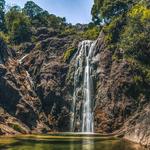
32 85
36 89
116 109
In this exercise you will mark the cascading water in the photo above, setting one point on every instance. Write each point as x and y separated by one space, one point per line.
87 125
83 88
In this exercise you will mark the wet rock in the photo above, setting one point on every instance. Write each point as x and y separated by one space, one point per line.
138 127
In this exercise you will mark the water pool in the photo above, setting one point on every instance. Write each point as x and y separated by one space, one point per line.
65 142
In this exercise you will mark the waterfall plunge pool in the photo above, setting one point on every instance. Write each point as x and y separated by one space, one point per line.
66 141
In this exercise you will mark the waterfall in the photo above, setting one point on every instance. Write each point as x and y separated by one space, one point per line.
83 88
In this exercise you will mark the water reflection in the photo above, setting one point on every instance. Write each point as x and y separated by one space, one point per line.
88 144
95 144
83 143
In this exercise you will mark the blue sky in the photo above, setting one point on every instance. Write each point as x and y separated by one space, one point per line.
75 11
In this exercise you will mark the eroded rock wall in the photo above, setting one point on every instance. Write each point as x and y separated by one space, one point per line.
116 110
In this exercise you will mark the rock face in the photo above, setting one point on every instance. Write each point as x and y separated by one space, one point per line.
5 53
138 127
112 105
33 84
115 109
17 95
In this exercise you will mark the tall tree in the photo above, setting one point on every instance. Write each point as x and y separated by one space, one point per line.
31 9
21 30
56 22
18 25
41 19
13 14
105 10
2 13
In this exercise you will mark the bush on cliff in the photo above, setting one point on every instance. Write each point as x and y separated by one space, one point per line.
4 37
91 33
69 53
135 37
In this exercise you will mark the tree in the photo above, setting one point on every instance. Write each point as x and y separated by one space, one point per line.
56 22
136 36
96 15
15 8
31 9
21 30
18 25
105 10
41 19
11 16
2 13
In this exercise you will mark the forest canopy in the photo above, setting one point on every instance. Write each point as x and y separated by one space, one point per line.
18 24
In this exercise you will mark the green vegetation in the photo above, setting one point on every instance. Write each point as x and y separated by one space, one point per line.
91 33
41 18
16 127
113 30
19 25
68 53
126 25
106 10
4 37
135 42
136 35
31 9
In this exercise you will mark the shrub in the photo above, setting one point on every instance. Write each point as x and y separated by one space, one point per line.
16 127
68 54
4 37
38 46
21 31
91 33
135 37
113 29
18 25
